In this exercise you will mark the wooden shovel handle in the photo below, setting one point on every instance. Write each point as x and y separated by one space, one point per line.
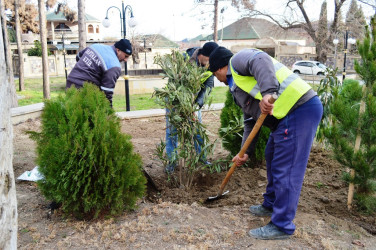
246 144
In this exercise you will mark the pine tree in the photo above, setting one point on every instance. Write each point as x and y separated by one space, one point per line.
88 164
353 130
355 20
322 33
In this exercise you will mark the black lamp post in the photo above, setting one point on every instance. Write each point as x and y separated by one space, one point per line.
347 40
65 61
106 23
63 30
146 65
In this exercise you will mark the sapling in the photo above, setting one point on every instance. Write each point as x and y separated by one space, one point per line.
178 96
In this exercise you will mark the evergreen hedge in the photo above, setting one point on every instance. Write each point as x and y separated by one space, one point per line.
88 164
232 128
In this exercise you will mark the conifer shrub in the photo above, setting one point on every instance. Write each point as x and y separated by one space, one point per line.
352 132
88 164
232 128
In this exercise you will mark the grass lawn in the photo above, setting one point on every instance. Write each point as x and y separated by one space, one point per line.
34 94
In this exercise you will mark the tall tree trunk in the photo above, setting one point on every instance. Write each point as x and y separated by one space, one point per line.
215 38
8 56
81 24
43 41
19 47
8 200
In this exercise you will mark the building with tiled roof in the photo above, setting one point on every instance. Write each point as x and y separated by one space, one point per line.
57 23
263 34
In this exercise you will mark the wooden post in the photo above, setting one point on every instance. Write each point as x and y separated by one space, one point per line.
358 139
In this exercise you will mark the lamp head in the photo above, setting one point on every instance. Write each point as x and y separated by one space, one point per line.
106 23
132 21
335 41
351 40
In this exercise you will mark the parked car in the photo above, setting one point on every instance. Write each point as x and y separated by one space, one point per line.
308 68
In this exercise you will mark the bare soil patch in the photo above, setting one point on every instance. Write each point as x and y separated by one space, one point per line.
172 217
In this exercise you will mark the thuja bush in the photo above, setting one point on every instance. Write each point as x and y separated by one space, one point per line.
88 165
232 128
178 96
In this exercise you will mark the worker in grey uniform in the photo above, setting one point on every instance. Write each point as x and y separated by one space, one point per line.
253 76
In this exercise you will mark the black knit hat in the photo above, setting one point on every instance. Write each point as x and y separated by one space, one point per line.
125 46
219 58
207 48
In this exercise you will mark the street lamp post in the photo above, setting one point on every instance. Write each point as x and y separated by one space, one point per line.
335 42
351 41
106 23
146 64
65 62
64 41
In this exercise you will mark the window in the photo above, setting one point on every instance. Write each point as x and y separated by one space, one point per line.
97 29
90 28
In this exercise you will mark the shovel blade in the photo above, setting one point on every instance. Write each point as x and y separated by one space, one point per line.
213 198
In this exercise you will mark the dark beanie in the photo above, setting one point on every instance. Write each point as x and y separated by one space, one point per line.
125 46
219 58
207 48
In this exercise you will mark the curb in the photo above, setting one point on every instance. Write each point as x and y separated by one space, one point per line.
33 111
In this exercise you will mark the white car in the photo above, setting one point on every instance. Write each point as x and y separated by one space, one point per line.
308 68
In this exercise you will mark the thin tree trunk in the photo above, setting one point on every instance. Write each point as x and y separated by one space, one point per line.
8 200
21 77
215 38
358 139
8 56
43 41
81 24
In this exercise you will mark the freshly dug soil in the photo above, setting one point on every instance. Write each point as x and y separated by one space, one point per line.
173 217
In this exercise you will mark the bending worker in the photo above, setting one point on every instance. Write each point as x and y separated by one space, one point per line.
200 57
100 65
253 76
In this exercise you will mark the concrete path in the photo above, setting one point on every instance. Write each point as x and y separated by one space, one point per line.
22 114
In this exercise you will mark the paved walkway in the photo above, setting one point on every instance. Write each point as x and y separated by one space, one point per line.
22 114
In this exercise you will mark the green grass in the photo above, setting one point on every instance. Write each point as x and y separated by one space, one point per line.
34 94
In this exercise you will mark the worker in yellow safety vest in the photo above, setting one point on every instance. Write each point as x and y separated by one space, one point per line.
253 76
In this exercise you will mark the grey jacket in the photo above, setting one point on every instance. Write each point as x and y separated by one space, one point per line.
249 62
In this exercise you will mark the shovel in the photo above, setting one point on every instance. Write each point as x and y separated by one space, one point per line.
246 144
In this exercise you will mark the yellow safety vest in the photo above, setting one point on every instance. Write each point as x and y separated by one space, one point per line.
205 75
292 87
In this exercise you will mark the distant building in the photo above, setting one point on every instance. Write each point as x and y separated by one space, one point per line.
58 24
263 34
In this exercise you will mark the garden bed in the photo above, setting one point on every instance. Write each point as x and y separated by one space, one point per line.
171 217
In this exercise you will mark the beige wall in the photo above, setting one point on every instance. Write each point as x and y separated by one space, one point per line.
139 85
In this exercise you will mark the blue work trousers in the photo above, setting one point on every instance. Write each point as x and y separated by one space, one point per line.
286 154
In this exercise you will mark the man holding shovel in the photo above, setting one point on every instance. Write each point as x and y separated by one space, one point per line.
253 76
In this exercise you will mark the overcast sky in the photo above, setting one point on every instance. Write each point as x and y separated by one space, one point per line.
179 19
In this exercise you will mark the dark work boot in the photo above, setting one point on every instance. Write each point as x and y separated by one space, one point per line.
260 210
